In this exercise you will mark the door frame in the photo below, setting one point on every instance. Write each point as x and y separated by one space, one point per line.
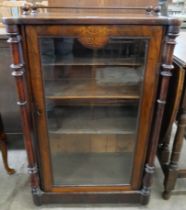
151 75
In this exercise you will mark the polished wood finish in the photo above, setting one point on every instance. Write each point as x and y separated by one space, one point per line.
176 111
92 33
3 147
88 17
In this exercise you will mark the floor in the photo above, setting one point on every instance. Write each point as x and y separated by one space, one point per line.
15 191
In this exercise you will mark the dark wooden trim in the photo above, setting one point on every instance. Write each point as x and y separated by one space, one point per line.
170 42
119 197
132 19
155 40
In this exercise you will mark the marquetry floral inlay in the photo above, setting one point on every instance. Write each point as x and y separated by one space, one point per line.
93 36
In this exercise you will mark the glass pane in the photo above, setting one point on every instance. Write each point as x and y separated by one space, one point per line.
92 106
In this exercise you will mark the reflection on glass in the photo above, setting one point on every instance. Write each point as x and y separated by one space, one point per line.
92 105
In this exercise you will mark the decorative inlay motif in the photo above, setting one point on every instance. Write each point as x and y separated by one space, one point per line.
93 36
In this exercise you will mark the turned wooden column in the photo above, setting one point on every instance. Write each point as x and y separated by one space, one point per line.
166 68
17 67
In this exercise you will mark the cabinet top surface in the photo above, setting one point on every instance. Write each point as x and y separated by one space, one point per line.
91 16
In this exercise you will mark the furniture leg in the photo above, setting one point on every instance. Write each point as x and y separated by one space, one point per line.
3 147
172 107
164 152
171 173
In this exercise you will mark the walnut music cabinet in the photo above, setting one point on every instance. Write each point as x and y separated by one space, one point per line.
92 86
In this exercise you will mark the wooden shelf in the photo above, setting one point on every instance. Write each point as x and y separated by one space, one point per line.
86 89
71 61
92 120
91 143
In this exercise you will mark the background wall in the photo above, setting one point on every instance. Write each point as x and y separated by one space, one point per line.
102 3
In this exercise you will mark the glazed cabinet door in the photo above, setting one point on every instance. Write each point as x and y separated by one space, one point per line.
94 90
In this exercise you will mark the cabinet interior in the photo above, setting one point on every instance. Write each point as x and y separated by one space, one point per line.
92 99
